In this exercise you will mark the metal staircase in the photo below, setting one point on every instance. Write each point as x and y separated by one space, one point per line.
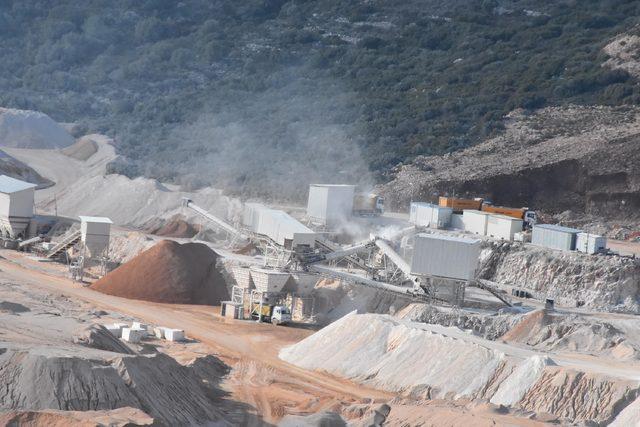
68 240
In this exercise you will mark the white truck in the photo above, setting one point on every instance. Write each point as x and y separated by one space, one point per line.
276 314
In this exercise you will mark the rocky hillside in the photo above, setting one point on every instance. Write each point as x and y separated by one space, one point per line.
265 96
555 159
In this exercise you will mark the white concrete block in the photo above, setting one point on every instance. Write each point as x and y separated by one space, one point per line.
116 328
138 325
159 331
174 334
116 331
132 335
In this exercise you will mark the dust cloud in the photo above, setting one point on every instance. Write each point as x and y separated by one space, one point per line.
275 146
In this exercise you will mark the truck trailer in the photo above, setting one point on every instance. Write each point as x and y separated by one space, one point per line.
366 204
528 216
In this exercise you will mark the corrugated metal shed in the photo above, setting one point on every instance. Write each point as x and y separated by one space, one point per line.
445 256
590 243
250 214
503 227
330 204
475 221
10 185
428 215
282 228
554 236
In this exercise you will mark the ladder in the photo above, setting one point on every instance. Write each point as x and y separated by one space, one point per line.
68 240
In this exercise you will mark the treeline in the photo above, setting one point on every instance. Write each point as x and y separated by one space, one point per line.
253 94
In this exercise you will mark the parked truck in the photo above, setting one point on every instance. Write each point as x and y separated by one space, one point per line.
527 216
458 205
367 204
276 314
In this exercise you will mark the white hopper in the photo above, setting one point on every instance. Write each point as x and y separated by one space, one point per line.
242 276
132 335
174 334
269 281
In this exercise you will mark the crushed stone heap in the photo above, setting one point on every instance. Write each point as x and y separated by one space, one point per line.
168 272
378 351
31 129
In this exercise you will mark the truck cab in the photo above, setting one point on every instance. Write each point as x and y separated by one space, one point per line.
379 205
280 315
530 218
276 314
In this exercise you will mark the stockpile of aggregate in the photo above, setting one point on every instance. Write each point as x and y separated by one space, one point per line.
173 227
168 272
435 362
31 129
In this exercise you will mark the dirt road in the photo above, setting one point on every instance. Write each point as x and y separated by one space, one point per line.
259 378
63 170
623 247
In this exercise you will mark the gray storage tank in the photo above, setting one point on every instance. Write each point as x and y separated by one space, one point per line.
554 236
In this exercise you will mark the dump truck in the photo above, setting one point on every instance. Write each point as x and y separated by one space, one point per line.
527 216
367 204
276 314
458 205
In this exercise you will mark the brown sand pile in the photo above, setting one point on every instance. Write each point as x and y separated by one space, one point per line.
174 227
168 272
527 327
82 149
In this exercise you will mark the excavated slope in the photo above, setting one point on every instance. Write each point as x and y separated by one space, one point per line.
571 278
559 158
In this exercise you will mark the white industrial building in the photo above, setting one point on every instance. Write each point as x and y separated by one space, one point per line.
475 221
277 225
590 243
428 215
330 204
16 206
95 235
554 236
503 227
450 257
457 222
